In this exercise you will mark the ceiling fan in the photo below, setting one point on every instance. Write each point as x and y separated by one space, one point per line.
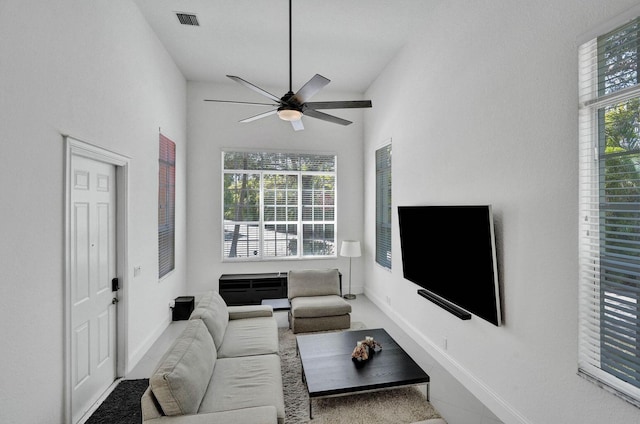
292 106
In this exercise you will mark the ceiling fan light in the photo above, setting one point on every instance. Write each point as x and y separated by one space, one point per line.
289 114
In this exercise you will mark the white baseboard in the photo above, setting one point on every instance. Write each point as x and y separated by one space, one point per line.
498 405
143 348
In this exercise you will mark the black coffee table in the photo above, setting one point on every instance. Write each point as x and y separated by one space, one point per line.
328 370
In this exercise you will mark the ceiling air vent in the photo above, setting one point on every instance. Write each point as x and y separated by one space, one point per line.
188 19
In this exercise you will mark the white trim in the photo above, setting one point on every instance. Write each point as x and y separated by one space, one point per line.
609 25
144 347
271 150
384 143
497 404
101 399
384 268
77 147
80 147
590 300
612 99
299 173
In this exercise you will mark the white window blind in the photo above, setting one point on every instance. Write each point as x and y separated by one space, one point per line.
383 206
609 251
166 206
278 205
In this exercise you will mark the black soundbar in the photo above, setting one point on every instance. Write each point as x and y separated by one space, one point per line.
446 305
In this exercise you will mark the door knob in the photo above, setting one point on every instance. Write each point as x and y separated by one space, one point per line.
114 300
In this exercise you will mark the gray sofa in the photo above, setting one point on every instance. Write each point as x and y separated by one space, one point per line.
223 368
238 330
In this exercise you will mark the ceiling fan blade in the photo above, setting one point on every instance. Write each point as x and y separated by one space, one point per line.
254 88
326 117
347 104
312 86
241 103
261 115
297 125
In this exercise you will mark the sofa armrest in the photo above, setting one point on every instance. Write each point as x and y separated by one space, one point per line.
255 415
250 311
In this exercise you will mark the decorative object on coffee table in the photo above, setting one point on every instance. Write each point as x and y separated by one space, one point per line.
365 348
369 341
350 249
360 353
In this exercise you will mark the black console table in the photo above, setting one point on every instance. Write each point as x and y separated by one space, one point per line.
250 289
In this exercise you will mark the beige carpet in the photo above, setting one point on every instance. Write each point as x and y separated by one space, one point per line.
396 406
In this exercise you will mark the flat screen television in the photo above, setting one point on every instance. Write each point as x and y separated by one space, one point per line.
450 252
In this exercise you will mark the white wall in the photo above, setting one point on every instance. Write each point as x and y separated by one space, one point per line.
93 70
482 108
214 126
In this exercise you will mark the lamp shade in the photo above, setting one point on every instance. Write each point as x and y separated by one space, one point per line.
350 249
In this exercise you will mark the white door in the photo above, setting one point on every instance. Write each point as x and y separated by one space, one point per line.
93 266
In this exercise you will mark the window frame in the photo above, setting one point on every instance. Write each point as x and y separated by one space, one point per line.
384 220
300 222
597 305
166 201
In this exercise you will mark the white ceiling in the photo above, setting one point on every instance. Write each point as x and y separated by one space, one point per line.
348 41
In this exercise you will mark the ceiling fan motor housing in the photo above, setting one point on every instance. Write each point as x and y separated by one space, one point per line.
290 110
292 105
287 99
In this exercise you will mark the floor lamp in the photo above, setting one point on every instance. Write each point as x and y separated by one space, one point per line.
350 249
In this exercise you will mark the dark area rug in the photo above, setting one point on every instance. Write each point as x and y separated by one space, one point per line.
122 406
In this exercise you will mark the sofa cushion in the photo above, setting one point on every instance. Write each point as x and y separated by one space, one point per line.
319 306
257 415
149 406
313 282
212 309
307 325
249 336
245 382
249 311
183 374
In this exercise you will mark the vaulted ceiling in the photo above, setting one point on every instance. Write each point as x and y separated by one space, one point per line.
348 41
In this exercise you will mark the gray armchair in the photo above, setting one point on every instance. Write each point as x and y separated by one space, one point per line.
316 304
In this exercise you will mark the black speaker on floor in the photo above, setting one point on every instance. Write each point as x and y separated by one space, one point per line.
183 307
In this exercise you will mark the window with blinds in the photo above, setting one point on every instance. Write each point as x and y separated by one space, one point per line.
609 113
278 205
383 206
166 206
